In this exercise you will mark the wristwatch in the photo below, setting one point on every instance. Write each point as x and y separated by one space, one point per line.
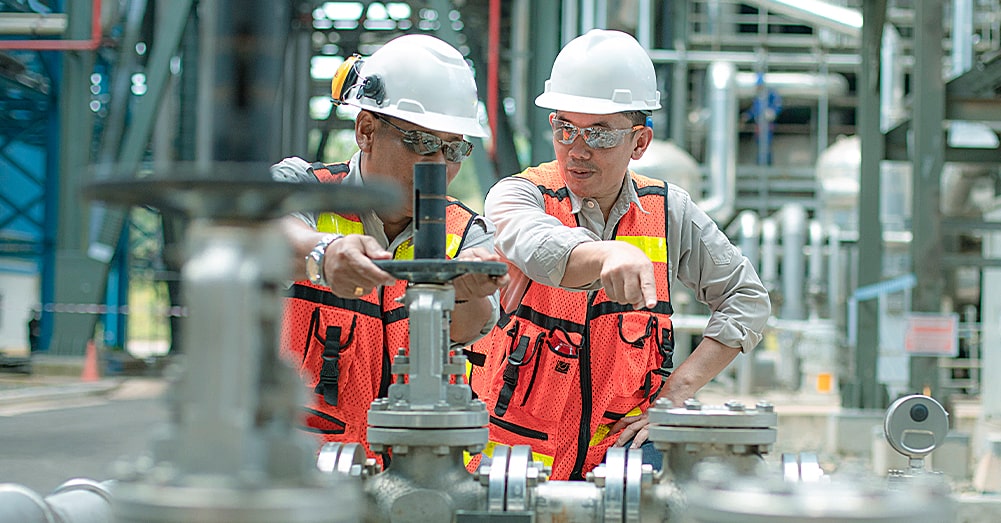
314 260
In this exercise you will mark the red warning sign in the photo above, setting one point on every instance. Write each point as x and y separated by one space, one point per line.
931 334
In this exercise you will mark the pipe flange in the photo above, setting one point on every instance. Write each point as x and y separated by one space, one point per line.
519 463
668 436
348 459
88 485
425 419
731 415
471 439
621 478
497 479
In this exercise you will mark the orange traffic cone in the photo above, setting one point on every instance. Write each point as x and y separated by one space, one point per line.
90 371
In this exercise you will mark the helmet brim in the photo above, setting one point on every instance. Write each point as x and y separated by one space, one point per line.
588 105
435 122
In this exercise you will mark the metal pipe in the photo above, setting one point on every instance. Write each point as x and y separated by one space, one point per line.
749 235
835 274
63 45
823 14
891 78
769 254
32 24
429 211
793 218
815 268
749 241
842 61
75 501
962 36
793 85
722 147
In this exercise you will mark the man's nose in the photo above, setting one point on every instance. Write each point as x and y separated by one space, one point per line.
579 147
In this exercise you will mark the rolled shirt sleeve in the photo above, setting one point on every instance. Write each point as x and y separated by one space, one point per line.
719 274
536 243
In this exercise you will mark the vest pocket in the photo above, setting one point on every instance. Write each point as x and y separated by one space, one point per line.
538 374
638 354
343 364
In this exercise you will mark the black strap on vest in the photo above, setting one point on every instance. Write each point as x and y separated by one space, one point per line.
475 358
666 348
330 372
515 360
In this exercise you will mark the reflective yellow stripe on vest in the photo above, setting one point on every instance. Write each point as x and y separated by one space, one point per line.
655 248
406 250
489 452
602 431
337 224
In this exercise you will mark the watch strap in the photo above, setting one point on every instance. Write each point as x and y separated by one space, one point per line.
318 253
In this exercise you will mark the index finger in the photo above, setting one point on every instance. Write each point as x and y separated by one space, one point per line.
649 289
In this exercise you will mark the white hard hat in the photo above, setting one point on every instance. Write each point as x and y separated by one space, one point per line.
601 72
417 78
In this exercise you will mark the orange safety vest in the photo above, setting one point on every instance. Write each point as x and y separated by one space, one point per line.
565 366
343 348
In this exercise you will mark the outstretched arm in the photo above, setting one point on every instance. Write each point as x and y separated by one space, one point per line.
347 264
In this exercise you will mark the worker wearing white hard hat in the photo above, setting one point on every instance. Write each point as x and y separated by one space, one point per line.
345 317
586 345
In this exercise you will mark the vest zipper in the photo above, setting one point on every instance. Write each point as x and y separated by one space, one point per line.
584 433
539 340
518 429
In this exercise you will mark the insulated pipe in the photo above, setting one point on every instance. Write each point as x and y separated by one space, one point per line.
815 277
891 80
834 273
750 243
721 150
63 45
769 254
793 218
823 14
32 24
749 234
793 85
962 36
958 182
75 501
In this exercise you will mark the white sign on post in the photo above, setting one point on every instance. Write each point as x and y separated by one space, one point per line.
932 334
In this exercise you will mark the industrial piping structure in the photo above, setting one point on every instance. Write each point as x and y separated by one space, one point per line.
427 479
231 452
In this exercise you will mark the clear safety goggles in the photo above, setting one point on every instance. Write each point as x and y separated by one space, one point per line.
426 144
595 137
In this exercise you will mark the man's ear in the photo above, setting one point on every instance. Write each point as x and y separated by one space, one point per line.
365 127
644 137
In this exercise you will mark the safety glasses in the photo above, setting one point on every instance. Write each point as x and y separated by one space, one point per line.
426 144
595 137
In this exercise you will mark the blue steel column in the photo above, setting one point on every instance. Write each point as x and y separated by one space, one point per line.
79 278
864 391
927 159
75 278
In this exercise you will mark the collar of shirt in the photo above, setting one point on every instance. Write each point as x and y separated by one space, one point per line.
369 219
593 219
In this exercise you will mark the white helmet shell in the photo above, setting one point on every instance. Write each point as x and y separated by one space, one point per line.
426 82
601 72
